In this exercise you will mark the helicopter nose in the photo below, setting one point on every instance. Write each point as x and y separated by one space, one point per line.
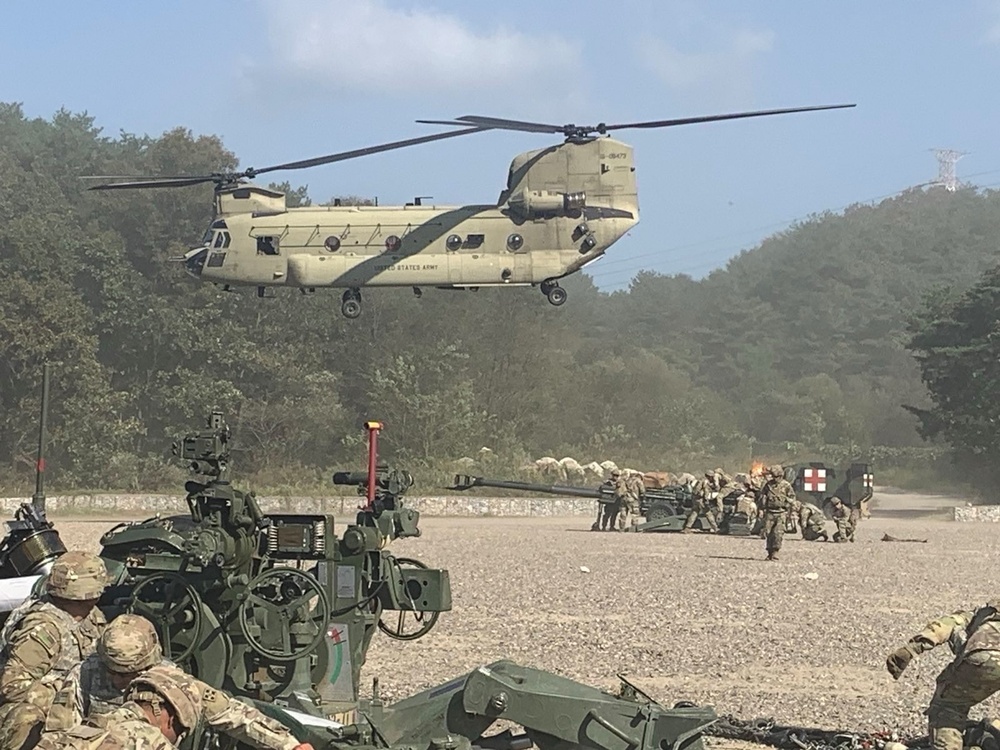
194 260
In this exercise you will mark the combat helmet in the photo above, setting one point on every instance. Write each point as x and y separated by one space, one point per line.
166 684
129 645
78 576
776 470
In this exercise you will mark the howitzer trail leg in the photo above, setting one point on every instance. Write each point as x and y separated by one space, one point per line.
556 713
960 686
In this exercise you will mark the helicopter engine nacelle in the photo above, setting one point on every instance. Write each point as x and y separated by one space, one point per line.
537 203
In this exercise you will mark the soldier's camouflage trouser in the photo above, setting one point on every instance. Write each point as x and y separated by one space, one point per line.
968 680
625 515
774 529
608 516
845 529
702 507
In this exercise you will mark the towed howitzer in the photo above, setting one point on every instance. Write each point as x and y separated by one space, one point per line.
278 609
663 508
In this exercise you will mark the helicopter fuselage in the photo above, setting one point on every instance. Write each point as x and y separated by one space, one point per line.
562 208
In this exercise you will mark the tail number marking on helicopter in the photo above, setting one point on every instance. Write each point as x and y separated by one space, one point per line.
406 267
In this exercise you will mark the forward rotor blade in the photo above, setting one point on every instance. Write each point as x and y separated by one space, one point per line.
716 118
345 155
501 123
156 182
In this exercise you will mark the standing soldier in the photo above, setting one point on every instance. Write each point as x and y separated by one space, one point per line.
844 518
971 678
623 500
702 494
636 490
609 511
606 489
45 638
777 497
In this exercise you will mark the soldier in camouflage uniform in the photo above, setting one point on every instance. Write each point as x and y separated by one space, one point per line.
44 639
609 511
703 496
128 650
162 706
844 518
634 490
812 522
973 676
777 497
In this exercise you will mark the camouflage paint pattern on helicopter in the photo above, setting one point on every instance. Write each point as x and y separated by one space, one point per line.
562 208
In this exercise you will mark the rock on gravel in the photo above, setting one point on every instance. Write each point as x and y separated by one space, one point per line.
693 617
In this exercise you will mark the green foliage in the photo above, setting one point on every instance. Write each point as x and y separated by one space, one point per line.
801 341
956 343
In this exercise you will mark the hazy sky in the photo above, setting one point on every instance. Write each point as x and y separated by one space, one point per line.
291 79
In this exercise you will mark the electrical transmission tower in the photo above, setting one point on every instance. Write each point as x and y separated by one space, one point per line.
947 158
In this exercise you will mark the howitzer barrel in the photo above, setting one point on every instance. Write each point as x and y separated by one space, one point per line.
355 478
466 482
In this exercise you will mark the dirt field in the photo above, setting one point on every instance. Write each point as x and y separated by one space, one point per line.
695 617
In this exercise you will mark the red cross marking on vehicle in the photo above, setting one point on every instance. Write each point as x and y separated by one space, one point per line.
814 480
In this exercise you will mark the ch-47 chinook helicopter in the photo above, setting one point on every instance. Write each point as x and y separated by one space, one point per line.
562 208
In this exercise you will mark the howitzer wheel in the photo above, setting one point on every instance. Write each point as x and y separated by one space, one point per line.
173 606
424 621
281 593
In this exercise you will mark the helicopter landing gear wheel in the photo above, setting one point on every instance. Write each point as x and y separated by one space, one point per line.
281 593
397 625
173 606
556 295
350 305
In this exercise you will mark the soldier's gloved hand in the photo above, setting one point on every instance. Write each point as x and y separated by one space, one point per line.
899 660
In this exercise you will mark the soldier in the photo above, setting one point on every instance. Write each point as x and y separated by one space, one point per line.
47 637
777 497
607 488
128 650
745 502
703 494
163 706
812 522
609 511
843 517
634 491
971 678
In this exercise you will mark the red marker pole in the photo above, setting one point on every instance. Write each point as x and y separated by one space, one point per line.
373 430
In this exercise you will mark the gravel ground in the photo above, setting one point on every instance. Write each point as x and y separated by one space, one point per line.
697 617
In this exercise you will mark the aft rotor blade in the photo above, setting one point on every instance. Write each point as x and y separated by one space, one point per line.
345 155
156 182
716 118
501 123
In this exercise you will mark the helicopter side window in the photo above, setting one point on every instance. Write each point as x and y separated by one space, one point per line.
220 240
267 246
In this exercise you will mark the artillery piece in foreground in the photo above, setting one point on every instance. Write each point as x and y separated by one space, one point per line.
279 609
663 509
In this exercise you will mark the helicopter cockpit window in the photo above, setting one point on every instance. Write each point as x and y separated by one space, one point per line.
267 246
221 240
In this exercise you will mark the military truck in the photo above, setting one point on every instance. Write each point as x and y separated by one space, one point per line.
819 482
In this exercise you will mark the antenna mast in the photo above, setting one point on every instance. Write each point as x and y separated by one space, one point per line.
947 158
